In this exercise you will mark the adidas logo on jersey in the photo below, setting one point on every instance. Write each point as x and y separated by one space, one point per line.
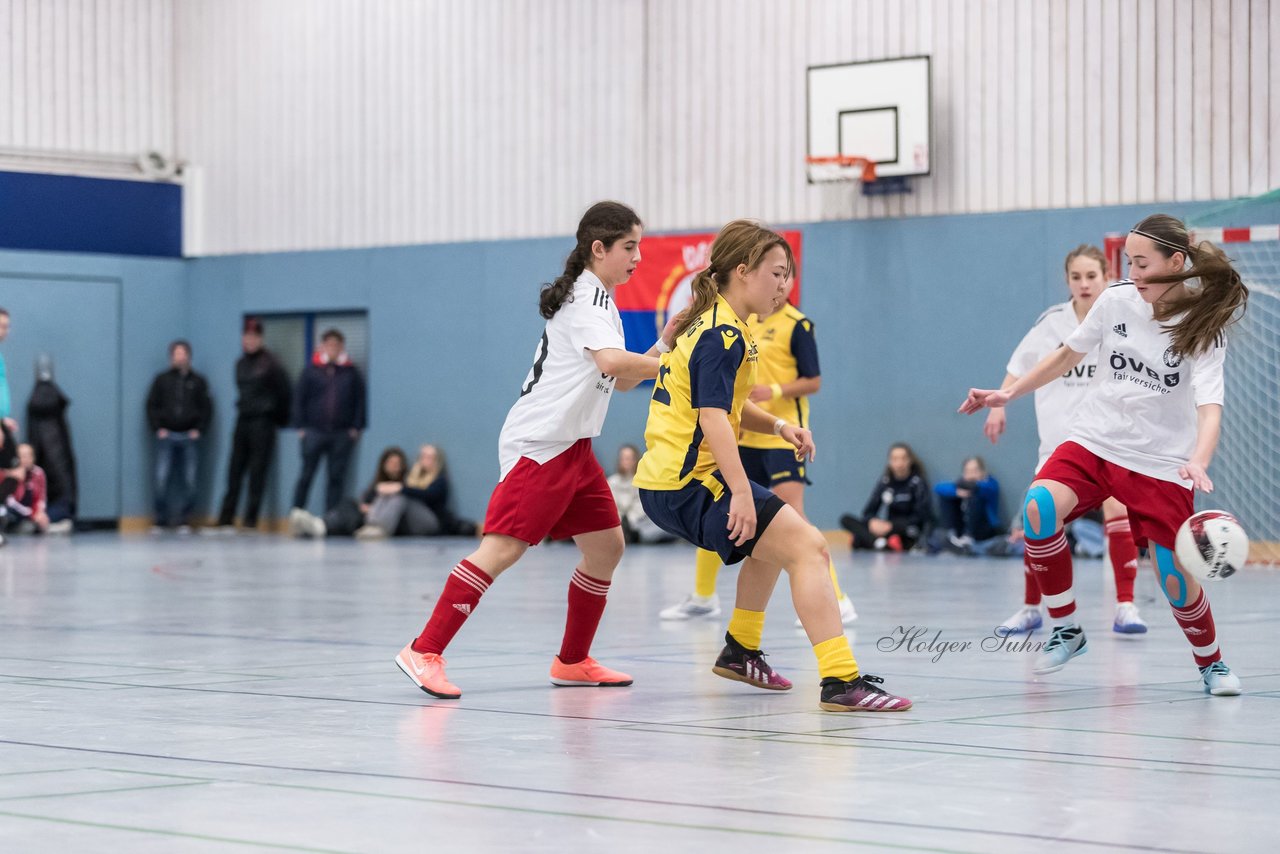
1120 330
464 608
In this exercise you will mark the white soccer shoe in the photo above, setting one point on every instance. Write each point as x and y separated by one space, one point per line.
1219 680
1128 621
693 607
1064 644
1027 619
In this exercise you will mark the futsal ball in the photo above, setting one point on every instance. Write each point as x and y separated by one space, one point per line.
1211 545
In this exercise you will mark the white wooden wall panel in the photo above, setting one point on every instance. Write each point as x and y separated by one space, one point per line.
342 123
93 76
339 123
1273 87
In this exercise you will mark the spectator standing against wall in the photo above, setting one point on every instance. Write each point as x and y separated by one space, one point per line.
9 427
178 410
262 408
329 412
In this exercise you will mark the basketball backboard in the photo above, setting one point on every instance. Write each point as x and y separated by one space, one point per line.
880 110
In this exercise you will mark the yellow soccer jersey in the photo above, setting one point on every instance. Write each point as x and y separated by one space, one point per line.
787 351
713 364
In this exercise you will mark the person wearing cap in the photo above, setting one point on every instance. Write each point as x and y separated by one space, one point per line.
262 408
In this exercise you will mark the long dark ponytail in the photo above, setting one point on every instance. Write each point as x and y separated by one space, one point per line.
603 221
1220 300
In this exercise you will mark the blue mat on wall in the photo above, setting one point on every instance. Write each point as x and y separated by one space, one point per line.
67 213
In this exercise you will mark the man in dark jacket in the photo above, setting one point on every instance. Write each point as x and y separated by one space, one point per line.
178 410
329 413
262 408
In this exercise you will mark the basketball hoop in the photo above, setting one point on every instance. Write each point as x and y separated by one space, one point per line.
841 167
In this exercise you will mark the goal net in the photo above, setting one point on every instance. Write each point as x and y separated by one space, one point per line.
1246 470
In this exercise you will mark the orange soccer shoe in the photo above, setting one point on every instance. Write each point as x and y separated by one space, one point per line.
588 673
426 669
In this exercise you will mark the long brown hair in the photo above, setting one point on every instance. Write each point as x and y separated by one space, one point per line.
1219 302
382 476
603 221
741 242
1085 250
917 467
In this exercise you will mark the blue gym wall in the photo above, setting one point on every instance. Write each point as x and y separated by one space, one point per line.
106 320
909 314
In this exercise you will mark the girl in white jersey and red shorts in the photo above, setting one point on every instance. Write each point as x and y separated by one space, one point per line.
1056 406
1145 433
551 483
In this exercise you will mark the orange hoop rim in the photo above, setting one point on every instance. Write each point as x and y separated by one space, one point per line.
868 165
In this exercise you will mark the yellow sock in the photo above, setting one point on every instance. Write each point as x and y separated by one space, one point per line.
835 658
705 571
747 627
835 582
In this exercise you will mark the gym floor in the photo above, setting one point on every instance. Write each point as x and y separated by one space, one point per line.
162 694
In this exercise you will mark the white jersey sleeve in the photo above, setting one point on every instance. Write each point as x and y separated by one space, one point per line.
1206 374
593 324
1041 340
1088 335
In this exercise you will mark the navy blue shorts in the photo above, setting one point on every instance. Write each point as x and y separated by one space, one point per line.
770 466
695 514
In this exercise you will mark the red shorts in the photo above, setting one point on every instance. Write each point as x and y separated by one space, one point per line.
1157 508
561 498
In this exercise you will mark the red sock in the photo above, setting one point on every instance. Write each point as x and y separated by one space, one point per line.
1050 560
461 594
1032 594
1124 556
1196 622
586 605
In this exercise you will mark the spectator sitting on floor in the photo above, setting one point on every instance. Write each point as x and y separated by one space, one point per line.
899 508
400 502
969 512
25 508
428 484
636 526
380 504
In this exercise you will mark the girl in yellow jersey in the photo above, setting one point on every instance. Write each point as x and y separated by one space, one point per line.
692 482
788 373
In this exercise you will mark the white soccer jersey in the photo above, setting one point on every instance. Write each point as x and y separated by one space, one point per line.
1056 403
1141 413
564 397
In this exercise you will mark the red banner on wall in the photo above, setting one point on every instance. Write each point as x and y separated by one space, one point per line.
660 286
